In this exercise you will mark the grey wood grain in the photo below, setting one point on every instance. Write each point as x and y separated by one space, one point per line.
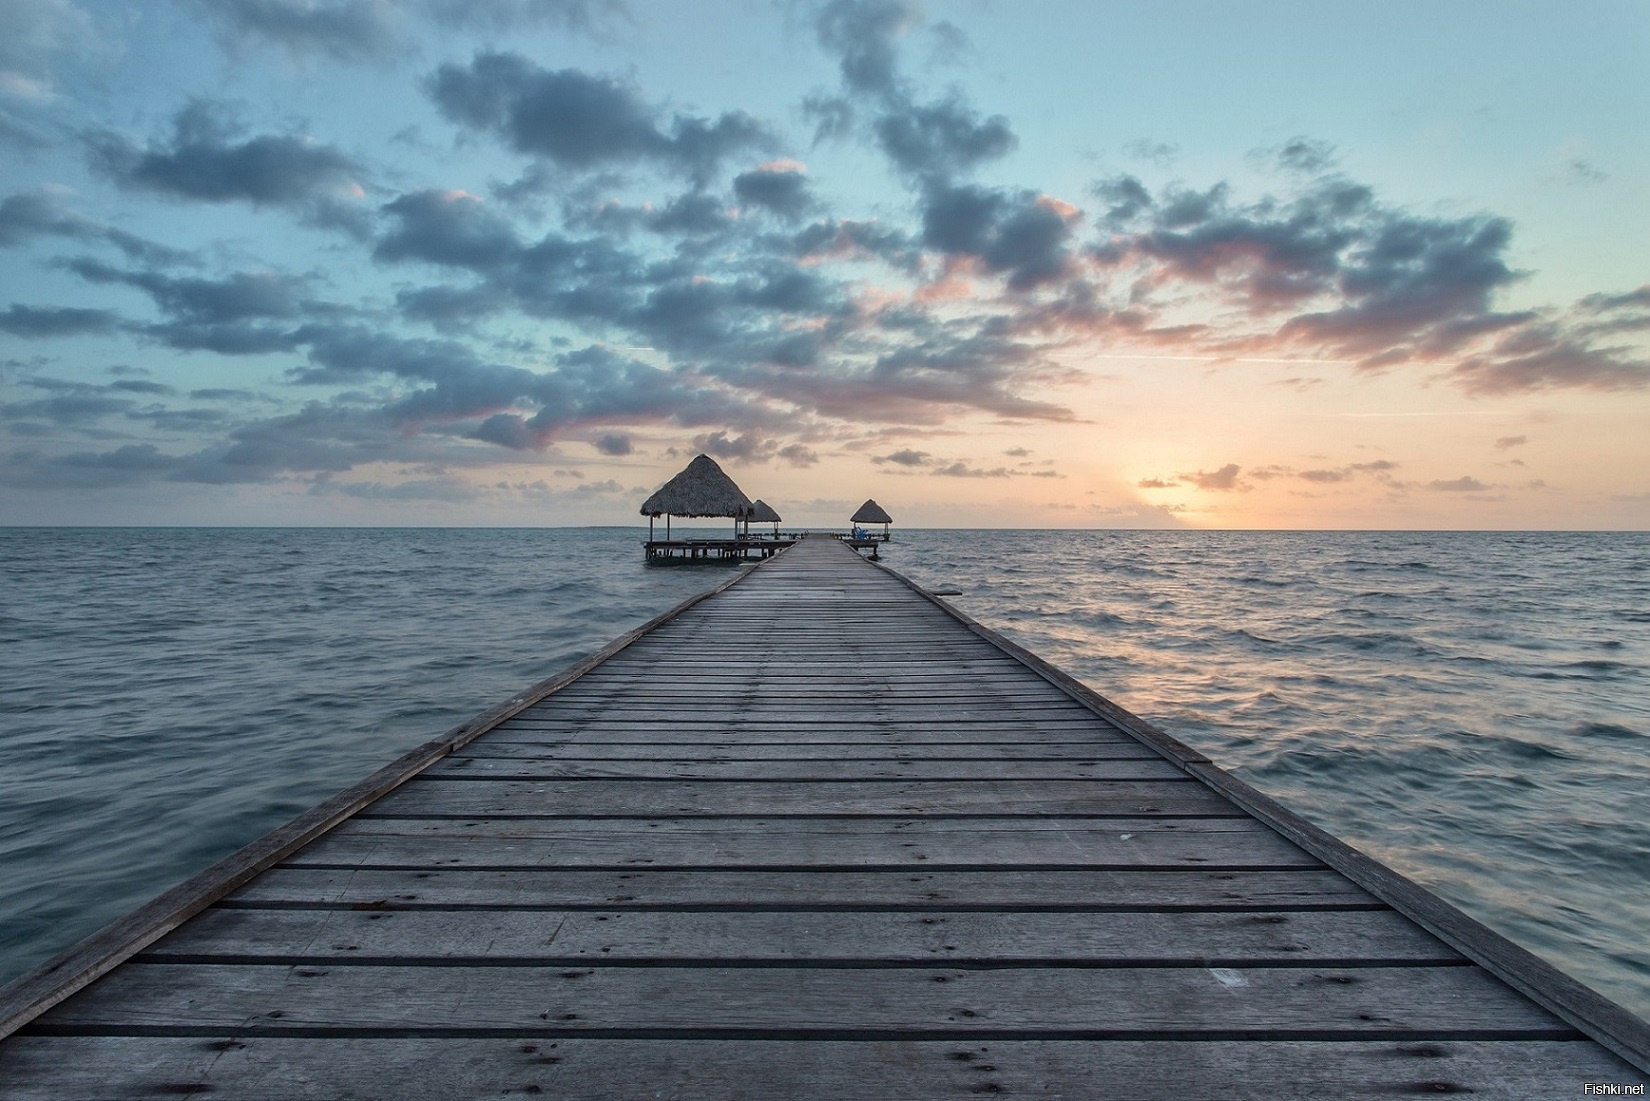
272 1068
497 749
617 936
1008 889
765 842
482 770
1145 1002
699 797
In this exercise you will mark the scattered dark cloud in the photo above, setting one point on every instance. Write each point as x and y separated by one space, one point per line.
904 457
941 140
1156 483
1224 480
749 447
42 322
781 188
1582 170
450 490
1022 235
1601 303
338 30
862 35
1160 153
28 215
375 30
798 455
1307 156
595 17
1331 270
963 470
614 443
580 121
208 158
127 465
1466 484
1502 443
928 142
243 313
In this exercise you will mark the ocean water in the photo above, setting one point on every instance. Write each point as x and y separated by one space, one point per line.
1471 708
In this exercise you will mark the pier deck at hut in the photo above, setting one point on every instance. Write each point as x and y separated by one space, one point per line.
815 835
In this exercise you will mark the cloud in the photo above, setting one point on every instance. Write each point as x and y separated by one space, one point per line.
963 470
589 16
580 121
1544 356
862 35
1465 484
207 158
339 30
799 455
1331 271
130 464
1502 443
449 489
369 30
1160 153
905 457
27 215
1224 480
1155 483
1308 156
1023 235
1583 170
614 443
56 321
779 188
929 142
940 140
244 313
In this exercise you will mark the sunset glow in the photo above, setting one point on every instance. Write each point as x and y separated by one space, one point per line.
349 262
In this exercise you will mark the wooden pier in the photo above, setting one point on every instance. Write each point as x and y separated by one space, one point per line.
812 835
747 549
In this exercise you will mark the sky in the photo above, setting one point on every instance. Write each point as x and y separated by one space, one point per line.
1294 265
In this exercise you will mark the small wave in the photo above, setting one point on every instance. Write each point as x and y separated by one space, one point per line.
1602 730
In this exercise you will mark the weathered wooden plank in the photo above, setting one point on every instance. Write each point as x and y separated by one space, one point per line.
480 769
1116 1002
811 750
617 936
700 797
851 708
1007 889
767 729
274 1068
763 842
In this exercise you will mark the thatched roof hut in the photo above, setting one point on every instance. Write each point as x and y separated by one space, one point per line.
871 513
702 489
762 513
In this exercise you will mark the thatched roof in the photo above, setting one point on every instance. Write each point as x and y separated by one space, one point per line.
871 513
700 490
763 513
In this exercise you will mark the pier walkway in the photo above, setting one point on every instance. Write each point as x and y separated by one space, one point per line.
815 836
